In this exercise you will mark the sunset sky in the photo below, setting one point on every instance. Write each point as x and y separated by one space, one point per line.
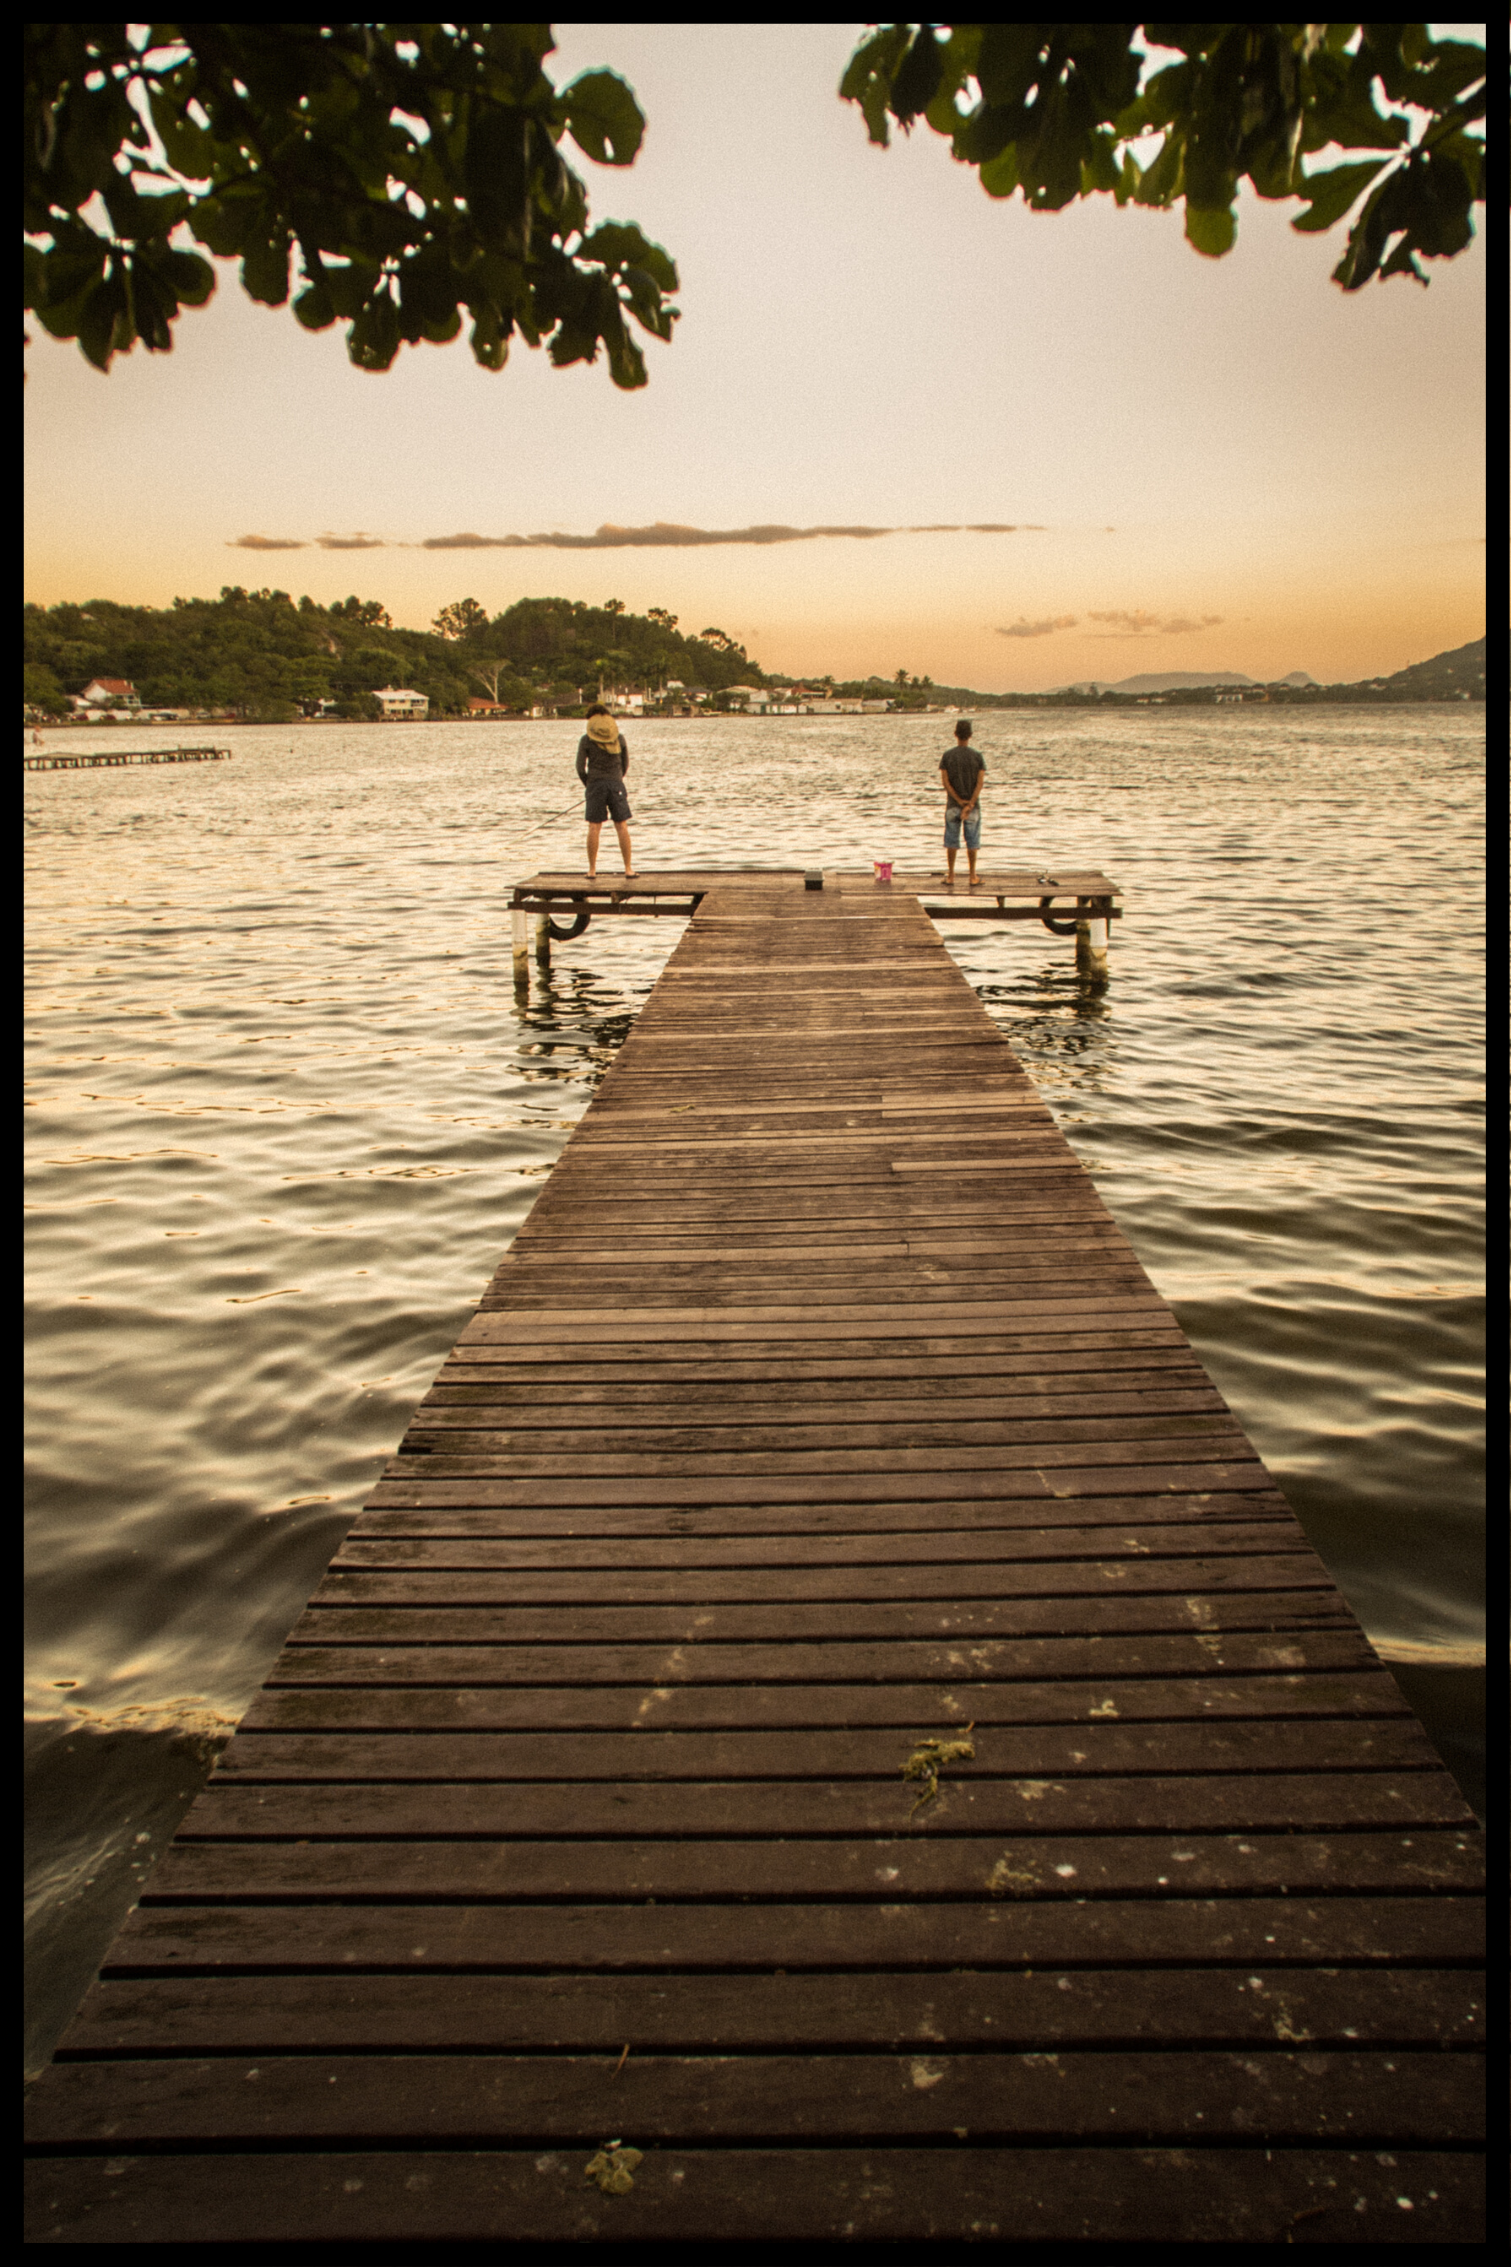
1202 464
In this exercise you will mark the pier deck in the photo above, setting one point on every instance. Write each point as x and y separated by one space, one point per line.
819 1410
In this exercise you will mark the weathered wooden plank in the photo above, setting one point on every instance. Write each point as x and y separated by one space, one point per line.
1251 2006
914 1358
1214 1802
424 1484
991 1098
911 2195
750 1425
704 1280
1057 1867
868 1319
789 1632
749 1708
1155 1373
858 1527
361 1650
1085 1750
865 1375
1419 1932
1276 2097
768 1239
699 1549
1199 1441
1297 1568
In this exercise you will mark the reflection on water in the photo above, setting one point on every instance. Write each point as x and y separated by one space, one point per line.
286 1113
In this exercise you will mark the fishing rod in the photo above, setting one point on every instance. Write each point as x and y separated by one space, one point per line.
554 819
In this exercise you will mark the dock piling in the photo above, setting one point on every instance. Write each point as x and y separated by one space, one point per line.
1091 950
520 924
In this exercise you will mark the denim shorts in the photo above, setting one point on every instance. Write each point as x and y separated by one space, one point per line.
607 799
952 828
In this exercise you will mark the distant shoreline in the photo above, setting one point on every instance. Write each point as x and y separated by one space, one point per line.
1196 697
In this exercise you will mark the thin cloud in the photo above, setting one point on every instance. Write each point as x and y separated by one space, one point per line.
670 535
351 542
966 527
1138 624
266 543
1040 629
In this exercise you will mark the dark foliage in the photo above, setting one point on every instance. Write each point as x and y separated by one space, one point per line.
1055 110
413 168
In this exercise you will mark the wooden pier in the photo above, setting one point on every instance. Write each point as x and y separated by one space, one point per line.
102 758
825 1730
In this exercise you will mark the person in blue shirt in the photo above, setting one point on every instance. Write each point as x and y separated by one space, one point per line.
962 774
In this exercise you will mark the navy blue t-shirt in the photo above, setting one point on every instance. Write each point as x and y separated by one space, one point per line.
962 767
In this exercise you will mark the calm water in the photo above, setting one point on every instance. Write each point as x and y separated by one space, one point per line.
286 1115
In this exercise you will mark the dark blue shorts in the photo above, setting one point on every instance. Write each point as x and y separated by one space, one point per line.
607 799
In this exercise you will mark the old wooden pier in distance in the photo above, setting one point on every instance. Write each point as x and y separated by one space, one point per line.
825 1730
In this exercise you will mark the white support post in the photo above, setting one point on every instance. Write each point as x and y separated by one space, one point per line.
521 927
542 940
1091 950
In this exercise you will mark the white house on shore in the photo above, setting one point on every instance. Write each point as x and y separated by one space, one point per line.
399 704
108 693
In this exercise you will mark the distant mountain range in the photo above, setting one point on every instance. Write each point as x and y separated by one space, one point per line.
1456 675
1179 680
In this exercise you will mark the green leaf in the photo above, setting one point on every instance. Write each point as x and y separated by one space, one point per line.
489 339
869 75
1402 262
374 338
265 271
988 131
646 303
350 287
313 307
957 62
97 325
1211 229
917 78
1329 195
999 176
1165 96
1346 114
192 279
1007 67
603 117
1160 182
1100 170
618 244
190 150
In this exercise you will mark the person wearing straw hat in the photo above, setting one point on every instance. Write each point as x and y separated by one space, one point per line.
602 761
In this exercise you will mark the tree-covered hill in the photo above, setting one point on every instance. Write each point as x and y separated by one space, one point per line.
1447 677
272 659
266 658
